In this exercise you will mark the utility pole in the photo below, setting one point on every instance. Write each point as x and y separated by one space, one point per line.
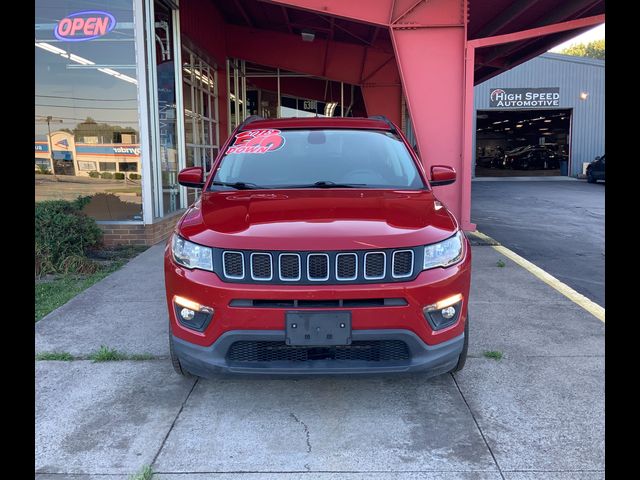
53 171
50 119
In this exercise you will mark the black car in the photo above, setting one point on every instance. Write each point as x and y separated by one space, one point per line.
534 158
510 154
595 170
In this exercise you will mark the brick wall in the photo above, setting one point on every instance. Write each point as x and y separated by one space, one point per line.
123 234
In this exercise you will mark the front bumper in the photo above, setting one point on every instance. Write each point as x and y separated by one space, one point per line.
430 360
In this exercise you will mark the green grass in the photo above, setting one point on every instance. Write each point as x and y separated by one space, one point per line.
55 293
500 263
144 474
59 356
494 354
106 354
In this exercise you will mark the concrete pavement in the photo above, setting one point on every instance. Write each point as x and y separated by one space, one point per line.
536 414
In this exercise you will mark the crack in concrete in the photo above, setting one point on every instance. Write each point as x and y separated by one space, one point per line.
164 440
495 460
306 432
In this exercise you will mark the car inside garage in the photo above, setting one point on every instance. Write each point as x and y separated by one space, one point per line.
523 142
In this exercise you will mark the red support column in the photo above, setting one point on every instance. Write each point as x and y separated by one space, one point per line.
384 100
431 64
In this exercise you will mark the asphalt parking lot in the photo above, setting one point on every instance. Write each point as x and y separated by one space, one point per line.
558 225
538 413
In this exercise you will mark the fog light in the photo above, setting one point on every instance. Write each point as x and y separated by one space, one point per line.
448 312
191 314
443 313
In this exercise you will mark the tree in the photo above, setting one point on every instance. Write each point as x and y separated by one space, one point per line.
593 49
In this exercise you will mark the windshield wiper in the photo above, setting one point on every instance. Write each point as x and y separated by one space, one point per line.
238 185
328 184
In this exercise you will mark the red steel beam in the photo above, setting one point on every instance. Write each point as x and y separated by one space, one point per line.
262 47
536 32
375 12
507 16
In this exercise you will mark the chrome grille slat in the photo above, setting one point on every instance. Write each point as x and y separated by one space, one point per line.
345 264
402 263
233 264
289 267
318 267
375 265
261 266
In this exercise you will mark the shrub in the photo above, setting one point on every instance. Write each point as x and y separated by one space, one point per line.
106 175
118 176
63 234
94 174
43 170
135 176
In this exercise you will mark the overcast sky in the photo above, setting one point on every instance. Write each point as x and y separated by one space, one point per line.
596 33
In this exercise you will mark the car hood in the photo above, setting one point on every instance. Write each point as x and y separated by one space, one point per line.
317 219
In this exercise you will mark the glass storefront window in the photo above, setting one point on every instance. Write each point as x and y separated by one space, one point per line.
200 93
166 82
86 105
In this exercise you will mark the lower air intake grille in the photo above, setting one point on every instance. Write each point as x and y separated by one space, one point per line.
367 351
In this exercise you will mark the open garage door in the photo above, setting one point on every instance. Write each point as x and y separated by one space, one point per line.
523 142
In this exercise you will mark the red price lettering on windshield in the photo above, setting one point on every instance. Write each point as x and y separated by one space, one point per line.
257 141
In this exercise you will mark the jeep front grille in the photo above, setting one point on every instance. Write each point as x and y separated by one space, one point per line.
313 268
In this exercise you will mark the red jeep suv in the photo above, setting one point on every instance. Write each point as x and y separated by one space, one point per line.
317 246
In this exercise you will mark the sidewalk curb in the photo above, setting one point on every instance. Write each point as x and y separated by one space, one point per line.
577 298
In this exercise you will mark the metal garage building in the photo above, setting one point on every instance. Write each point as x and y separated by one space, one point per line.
554 97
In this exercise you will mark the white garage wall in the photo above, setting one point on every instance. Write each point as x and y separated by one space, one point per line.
572 75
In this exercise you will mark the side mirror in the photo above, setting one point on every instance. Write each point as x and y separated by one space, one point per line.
191 177
442 175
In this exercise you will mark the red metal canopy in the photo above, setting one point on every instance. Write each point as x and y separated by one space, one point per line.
365 23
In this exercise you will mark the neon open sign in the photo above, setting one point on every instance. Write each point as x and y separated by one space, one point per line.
85 25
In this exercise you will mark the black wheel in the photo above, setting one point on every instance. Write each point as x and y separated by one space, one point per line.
175 361
462 359
590 178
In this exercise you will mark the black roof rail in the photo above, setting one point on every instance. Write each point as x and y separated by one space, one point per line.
248 120
385 120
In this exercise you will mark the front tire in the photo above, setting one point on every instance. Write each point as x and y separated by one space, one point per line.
175 360
462 359
590 178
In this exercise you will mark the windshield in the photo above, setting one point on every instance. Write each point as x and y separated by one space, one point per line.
270 158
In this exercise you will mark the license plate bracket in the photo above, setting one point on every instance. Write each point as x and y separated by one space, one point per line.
303 328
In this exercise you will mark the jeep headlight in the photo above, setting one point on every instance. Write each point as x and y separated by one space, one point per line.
191 255
445 253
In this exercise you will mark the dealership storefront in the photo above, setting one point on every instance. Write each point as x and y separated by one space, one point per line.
543 117
128 92
121 108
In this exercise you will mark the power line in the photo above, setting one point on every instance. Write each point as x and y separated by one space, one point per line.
92 108
96 120
89 99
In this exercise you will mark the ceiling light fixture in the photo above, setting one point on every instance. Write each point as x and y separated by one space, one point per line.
307 35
